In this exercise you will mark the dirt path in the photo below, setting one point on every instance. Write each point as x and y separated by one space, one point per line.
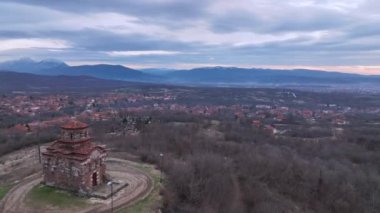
140 186
13 201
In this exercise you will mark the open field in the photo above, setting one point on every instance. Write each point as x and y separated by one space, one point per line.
4 190
42 195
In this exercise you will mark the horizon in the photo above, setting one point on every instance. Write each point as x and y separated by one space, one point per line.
307 34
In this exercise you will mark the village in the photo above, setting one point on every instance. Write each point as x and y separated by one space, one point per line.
278 113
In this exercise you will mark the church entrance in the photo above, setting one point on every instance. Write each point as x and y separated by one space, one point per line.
94 179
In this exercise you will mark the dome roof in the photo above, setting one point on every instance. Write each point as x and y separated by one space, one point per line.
74 124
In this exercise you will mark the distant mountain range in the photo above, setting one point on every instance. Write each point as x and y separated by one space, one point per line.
198 76
27 65
234 75
55 67
157 71
27 82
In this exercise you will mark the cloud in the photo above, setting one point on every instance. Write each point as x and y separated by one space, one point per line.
276 17
142 53
168 32
12 44
153 10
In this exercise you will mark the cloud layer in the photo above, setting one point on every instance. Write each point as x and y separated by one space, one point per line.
185 33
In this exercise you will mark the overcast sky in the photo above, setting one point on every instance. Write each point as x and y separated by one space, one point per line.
326 34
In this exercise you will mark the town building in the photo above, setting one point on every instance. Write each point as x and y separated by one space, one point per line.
74 162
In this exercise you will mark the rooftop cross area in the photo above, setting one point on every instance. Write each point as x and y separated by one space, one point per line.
73 162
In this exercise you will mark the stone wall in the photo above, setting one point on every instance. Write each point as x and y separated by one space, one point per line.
74 175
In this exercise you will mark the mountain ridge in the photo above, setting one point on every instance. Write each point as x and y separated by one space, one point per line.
259 75
55 67
27 81
196 76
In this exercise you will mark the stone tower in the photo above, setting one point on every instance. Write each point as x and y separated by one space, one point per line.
73 162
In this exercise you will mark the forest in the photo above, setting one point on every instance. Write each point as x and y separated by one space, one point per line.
227 166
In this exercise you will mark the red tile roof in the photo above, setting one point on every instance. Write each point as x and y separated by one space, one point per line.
79 153
75 124
76 149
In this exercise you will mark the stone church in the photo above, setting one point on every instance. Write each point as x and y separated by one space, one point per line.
73 162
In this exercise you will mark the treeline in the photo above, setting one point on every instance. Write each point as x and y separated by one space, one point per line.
249 171
13 141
